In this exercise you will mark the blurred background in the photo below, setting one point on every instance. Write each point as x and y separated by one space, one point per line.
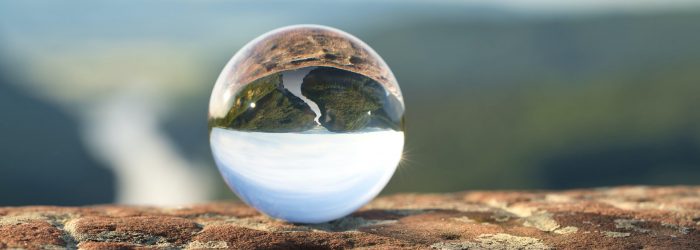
106 102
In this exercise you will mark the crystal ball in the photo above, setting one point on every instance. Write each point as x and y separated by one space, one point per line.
306 123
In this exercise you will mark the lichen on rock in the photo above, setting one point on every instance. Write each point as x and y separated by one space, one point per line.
613 234
495 241
469 220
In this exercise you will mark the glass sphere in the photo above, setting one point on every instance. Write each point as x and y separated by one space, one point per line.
306 123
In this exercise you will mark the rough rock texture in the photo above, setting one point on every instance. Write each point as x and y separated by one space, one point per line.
612 218
310 45
299 47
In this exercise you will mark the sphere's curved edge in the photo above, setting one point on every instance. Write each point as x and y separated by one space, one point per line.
299 46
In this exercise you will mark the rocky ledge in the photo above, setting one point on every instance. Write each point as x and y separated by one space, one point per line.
615 218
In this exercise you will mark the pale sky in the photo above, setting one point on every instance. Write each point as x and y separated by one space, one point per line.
579 5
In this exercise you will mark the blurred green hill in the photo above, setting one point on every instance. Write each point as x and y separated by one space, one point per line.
495 99
549 102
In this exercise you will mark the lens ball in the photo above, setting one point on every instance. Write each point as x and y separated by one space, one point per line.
306 123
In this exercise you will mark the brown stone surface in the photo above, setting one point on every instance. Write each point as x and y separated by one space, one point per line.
610 218
299 47
305 46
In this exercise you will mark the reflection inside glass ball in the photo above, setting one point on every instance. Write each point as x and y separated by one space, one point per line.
306 123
